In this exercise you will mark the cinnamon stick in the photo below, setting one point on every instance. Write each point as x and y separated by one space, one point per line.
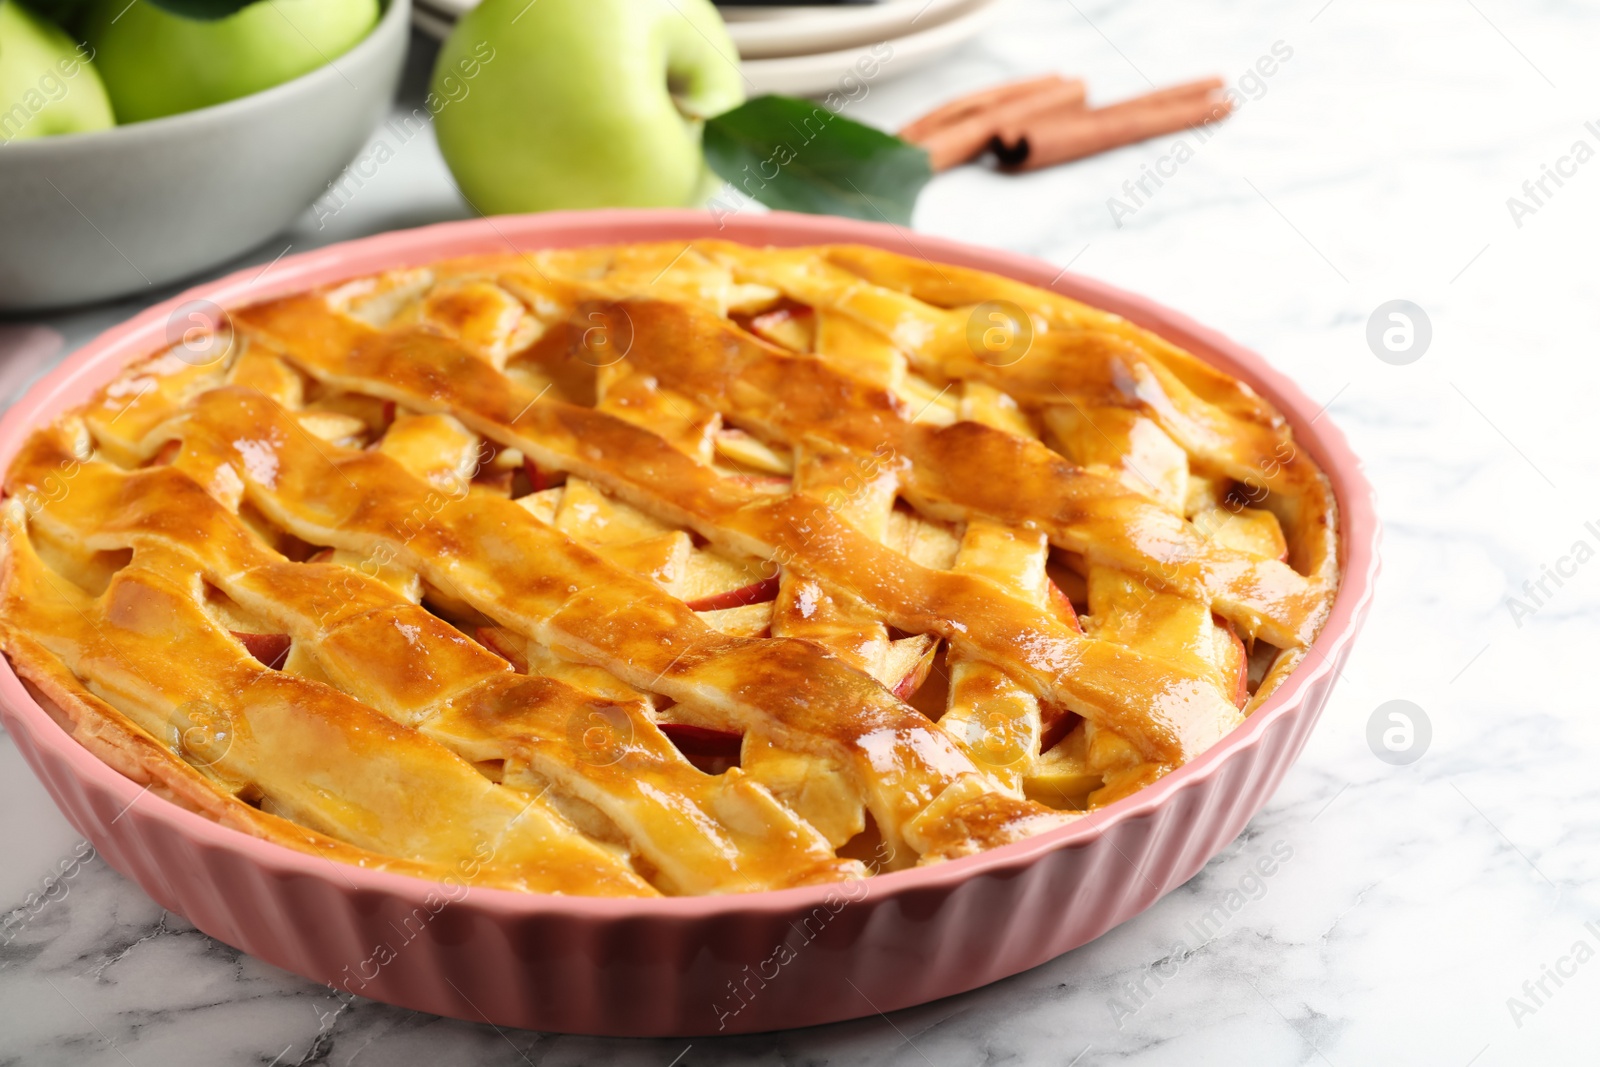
984 100
961 129
1045 139
1202 87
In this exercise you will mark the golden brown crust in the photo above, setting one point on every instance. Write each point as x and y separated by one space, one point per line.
111 737
511 526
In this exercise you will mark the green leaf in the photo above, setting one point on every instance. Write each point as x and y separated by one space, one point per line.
799 156
202 9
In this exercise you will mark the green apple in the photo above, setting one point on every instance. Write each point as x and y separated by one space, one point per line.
582 103
156 63
46 83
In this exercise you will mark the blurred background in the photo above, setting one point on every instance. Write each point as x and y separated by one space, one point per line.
1398 156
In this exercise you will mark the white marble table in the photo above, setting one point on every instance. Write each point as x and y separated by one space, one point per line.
1417 900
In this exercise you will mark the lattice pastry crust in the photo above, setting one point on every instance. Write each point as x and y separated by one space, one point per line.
662 568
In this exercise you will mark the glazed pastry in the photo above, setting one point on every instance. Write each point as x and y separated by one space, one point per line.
662 568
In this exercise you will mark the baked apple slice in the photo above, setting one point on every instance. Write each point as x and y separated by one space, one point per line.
505 645
1251 530
755 593
747 453
538 477
910 659
712 751
1062 606
1232 660
791 325
270 649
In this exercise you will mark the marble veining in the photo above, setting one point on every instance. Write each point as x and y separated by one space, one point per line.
1374 913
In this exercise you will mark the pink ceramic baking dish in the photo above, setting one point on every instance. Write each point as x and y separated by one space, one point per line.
699 965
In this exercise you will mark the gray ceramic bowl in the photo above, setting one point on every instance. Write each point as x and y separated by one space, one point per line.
91 216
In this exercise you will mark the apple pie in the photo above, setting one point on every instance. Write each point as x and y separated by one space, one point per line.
661 568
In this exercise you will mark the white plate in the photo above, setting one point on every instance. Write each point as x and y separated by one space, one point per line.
763 32
767 32
815 75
